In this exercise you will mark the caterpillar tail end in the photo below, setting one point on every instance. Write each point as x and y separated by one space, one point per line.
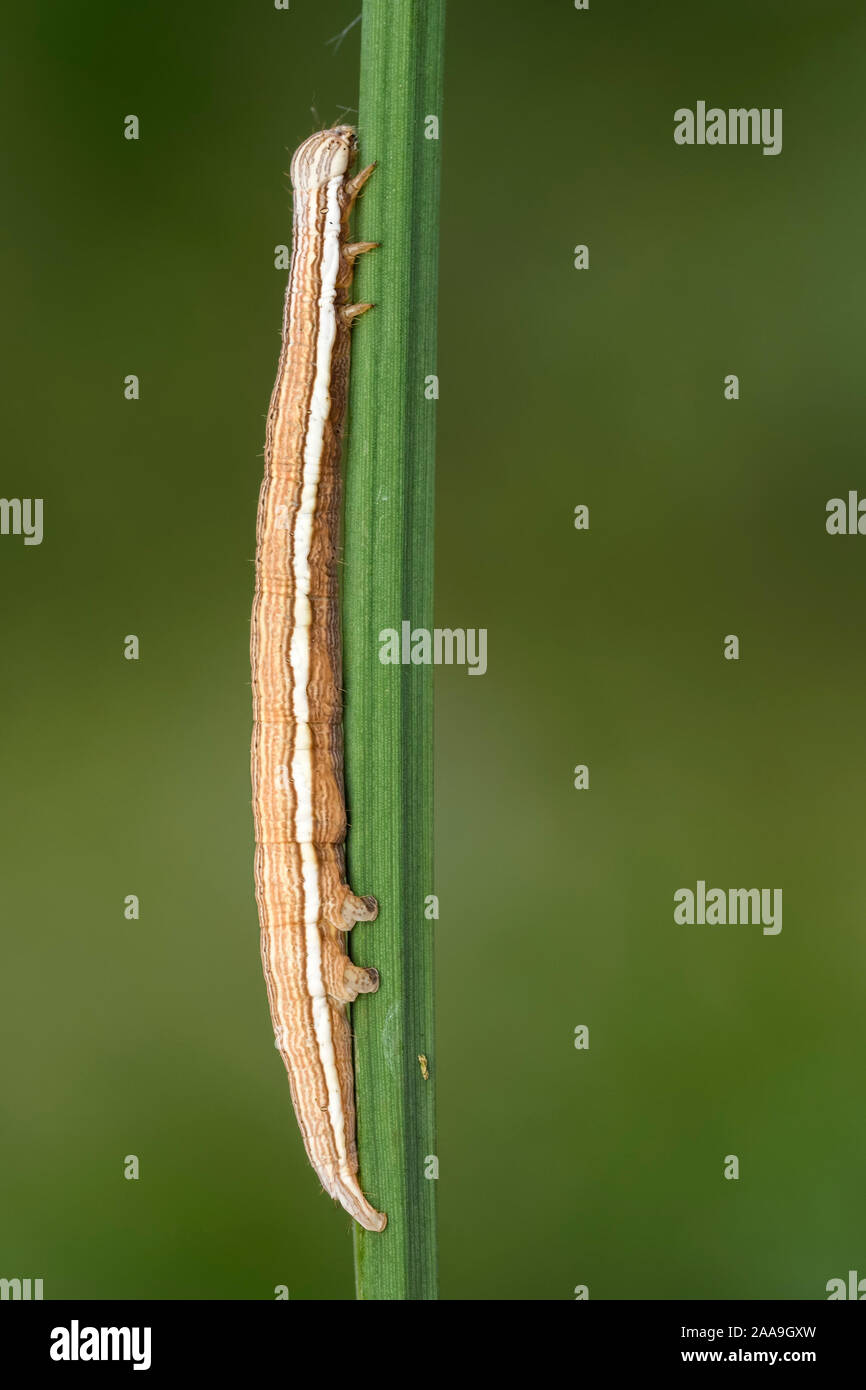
345 1189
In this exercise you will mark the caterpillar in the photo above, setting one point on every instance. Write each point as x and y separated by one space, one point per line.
299 809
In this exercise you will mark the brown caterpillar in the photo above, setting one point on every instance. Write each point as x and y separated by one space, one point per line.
297 750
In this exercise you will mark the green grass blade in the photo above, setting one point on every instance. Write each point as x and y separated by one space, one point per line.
388 578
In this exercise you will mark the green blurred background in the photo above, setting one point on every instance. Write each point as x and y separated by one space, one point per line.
558 387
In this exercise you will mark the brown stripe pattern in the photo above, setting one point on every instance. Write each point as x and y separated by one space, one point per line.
304 903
